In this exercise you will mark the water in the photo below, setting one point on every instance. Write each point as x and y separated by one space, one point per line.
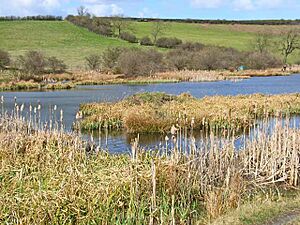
69 100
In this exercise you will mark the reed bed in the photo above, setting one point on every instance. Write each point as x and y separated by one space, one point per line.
98 78
157 112
29 85
48 176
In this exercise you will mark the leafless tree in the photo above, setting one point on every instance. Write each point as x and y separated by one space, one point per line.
262 42
158 29
290 41
119 24
83 11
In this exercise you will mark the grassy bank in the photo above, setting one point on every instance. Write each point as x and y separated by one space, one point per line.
48 176
158 112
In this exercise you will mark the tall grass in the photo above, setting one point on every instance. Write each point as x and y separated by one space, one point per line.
48 176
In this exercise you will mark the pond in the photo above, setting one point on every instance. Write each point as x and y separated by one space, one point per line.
69 100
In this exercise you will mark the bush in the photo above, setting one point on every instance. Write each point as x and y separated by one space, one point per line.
216 58
208 58
110 59
128 37
168 42
56 65
257 60
4 59
93 62
146 41
33 62
191 46
102 27
179 59
138 62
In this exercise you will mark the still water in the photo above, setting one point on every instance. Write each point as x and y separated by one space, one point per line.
69 100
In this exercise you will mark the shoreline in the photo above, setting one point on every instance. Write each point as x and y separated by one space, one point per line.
71 80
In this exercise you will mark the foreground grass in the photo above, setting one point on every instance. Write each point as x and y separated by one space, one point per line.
158 112
50 177
262 209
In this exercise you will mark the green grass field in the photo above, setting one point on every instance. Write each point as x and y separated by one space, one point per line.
212 35
56 38
73 44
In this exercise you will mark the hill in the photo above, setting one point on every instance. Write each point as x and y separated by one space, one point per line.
73 44
55 38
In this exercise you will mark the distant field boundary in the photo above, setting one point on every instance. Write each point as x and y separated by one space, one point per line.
200 21
204 21
38 18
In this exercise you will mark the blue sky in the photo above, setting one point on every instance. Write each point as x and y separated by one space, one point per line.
200 9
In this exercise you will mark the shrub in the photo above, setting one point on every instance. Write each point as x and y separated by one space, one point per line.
4 59
208 58
191 46
138 62
93 62
146 41
33 62
168 42
178 59
215 58
56 65
102 26
110 59
128 37
264 60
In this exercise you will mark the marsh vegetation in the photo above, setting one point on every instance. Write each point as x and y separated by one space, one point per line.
50 176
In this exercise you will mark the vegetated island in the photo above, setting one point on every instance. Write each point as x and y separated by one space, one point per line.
158 112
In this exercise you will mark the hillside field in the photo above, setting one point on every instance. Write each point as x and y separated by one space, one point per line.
73 44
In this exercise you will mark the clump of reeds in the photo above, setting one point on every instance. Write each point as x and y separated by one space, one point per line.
49 176
152 112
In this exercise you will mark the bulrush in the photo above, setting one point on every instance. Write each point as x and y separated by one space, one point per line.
158 112
54 177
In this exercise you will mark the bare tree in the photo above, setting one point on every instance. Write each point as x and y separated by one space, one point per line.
261 42
158 29
290 41
119 24
83 11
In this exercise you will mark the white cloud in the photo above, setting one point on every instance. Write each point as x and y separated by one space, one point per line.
243 5
104 9
28 7
207 3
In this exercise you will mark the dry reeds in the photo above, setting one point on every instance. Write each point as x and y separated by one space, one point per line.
49 176
157 112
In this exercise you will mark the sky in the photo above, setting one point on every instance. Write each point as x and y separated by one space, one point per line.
196 9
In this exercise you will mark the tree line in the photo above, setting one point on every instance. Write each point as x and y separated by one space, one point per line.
39 17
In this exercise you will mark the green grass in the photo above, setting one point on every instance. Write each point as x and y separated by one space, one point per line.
199 33
73 44
55 38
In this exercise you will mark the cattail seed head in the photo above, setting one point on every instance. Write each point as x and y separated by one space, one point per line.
173 130
166 138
